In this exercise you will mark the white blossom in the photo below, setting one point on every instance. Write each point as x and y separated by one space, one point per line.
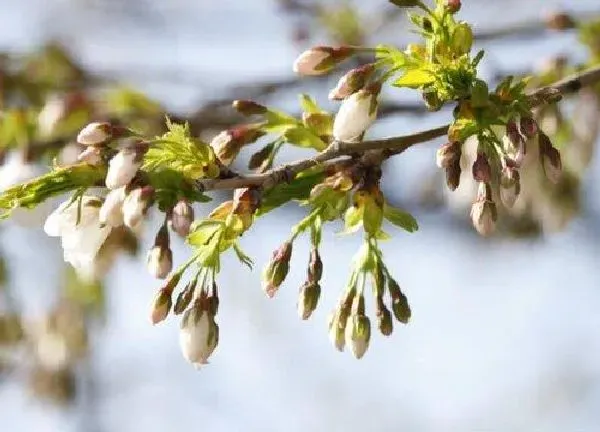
198 336
81 239
355 115
111 212
122 168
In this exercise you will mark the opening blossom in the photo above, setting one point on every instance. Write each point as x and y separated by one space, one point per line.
356 114
81 240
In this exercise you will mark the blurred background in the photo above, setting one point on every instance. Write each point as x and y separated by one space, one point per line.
505 334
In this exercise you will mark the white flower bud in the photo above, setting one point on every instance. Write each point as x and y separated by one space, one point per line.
95 134
135 205
313 61
160 261
122 168
355 115
181 218
358 334
337 325
111 212
198 336
91 156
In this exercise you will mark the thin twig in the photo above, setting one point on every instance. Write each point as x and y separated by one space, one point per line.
391 146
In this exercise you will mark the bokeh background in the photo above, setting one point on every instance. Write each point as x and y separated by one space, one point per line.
505 333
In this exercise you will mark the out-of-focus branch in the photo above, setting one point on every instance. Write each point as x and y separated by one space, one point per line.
389 146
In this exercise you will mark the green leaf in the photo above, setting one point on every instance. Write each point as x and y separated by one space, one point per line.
478 58
302 137
203 232
57 182
299 189
479 94
415 78
352 220
308 104
400 218
178 150
245 259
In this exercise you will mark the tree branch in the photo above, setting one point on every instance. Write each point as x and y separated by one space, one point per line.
390 146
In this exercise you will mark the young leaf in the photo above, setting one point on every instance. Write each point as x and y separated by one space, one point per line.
399 218
415 78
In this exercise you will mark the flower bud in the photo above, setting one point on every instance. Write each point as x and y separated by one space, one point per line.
358 329
550 158
248 107
136 205
308 299
111 212
400 306
453 173
184 298
462 39
181 218
228 143
384 320
315 266
482 171
161 305
320 60
198 335
452 6
91 156
483 212
356 114
448 154
160 261
122 168
337 328
260 158
275 273
510 186
352 81
95 134
529 127
512 132
560 21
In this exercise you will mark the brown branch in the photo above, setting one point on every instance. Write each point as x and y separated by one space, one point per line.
390 146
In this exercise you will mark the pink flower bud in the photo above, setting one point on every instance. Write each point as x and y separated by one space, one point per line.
320 60
95 134
482 171
352 82
181 218
91 155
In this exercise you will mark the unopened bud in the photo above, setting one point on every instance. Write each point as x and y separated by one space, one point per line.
385 323
136 205
181 218
510 186
351 82
184 298
258 159
160 261
448 154
321 59
483 212
550 158
123 167
276 271
560 21
453 175
91 155
529 127
111 212
356 114
358 329
400 306
228 143
308 299
248 107
161 305
315 266
453 6
512 132
482 171
95 134
337 328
